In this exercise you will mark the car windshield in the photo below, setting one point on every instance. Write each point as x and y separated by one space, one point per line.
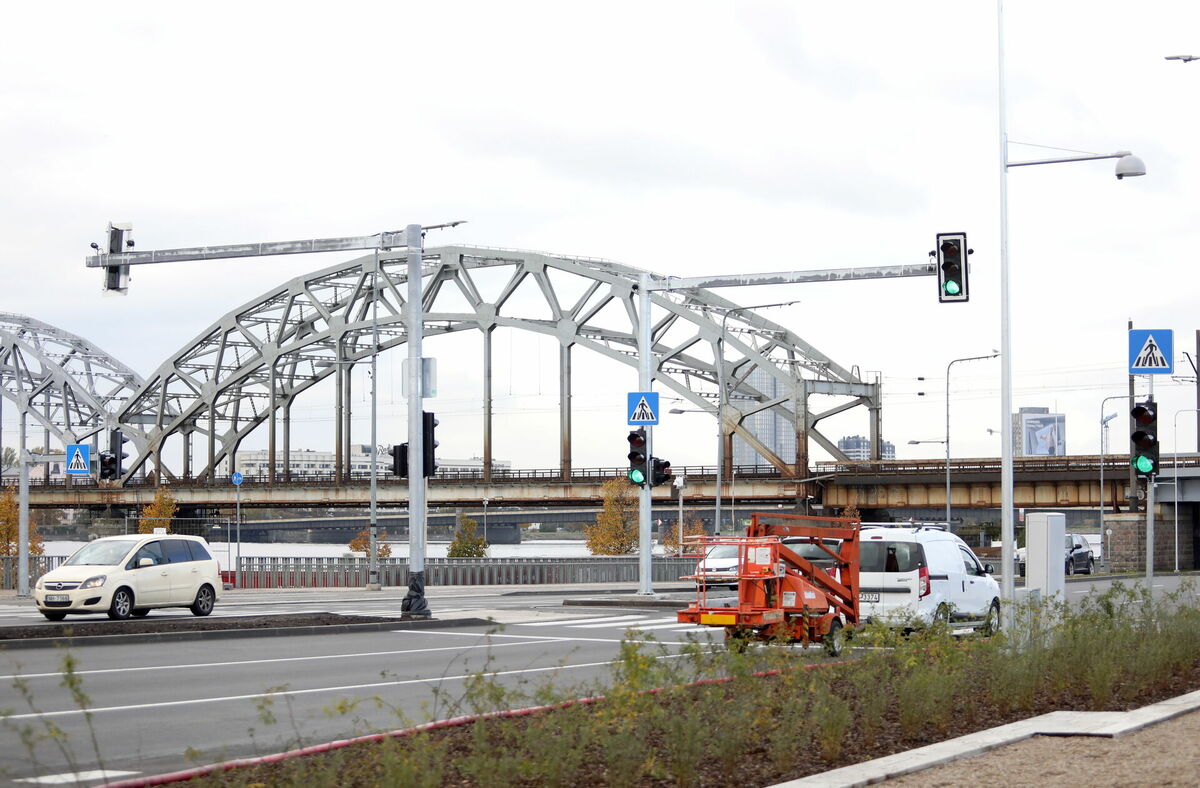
811 551
722 551
101 553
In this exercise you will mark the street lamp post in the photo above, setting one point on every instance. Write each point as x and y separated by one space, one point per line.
948 366
1128 165
947 444
1104 420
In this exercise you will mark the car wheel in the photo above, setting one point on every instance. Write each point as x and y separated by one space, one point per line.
991 624
1091 570
205 599
54 615
1071 567
141 612
122 604
835 639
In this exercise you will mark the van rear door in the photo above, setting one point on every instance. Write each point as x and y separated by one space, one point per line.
890 577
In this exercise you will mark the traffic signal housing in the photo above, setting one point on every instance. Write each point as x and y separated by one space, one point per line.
637 473
116 441
661 473
428 444
108 466
120 240
1144 452
400 460
952 254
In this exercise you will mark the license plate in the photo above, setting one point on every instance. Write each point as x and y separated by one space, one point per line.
868 596
58 597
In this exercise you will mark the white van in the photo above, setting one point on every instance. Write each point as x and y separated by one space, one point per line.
129 575
922 574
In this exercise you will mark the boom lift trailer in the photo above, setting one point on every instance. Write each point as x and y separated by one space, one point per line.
781 594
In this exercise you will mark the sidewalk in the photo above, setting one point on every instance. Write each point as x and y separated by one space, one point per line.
1154 745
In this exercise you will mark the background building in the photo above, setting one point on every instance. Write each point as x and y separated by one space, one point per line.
859 448
310 463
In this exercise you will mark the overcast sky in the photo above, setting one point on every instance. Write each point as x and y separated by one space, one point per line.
683 137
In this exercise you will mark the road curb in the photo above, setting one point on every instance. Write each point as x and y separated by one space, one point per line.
1107 724
217 634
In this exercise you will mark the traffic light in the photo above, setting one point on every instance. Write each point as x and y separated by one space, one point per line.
952 254
120 240
661 473
428 444
108 466
400 460
115 442
637 457
1144 454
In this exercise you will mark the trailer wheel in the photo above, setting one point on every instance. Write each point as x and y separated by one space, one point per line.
835 639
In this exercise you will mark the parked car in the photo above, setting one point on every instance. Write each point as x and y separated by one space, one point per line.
915 576
131 575
1078 556
719 566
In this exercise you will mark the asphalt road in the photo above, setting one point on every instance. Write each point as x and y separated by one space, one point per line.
165 706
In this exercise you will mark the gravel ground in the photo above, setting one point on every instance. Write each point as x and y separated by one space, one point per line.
1161 755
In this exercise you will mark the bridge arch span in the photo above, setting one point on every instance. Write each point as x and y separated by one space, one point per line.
249 366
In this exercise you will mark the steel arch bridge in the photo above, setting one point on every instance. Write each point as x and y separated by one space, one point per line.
65 383
249 367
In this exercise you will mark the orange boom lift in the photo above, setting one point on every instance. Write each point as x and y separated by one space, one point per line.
781 594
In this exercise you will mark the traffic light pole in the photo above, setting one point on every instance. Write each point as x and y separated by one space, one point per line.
414 604
645 376
1150 480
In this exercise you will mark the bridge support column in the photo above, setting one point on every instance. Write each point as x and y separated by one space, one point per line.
487 404
271 417
287 440
346 418
338 401
564 410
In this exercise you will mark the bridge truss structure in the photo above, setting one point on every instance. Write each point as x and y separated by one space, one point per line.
60 380
251 365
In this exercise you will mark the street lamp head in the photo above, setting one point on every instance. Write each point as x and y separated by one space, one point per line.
1130 166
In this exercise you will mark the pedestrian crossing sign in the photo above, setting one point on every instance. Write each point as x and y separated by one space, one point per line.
1151 351
79 459
642 407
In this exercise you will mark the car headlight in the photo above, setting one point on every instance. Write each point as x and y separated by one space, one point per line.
93 582
38 585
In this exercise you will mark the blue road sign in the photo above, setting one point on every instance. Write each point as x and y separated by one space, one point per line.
235 477
642 407
1151 351
79 459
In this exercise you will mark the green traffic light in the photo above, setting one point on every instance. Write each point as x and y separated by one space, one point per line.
952 288
1143 464
636 476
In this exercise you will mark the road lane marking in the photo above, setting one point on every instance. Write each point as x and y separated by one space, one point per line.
589 620
74 778
310 691
629 624
276 660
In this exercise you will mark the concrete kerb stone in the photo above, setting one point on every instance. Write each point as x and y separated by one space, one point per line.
1059 723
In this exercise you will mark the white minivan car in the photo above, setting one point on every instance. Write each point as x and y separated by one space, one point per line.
131 575
918 575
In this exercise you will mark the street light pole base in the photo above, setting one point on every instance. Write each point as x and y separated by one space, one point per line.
414 605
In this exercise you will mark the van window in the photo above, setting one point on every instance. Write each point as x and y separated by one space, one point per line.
198 551
177 551
876 556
